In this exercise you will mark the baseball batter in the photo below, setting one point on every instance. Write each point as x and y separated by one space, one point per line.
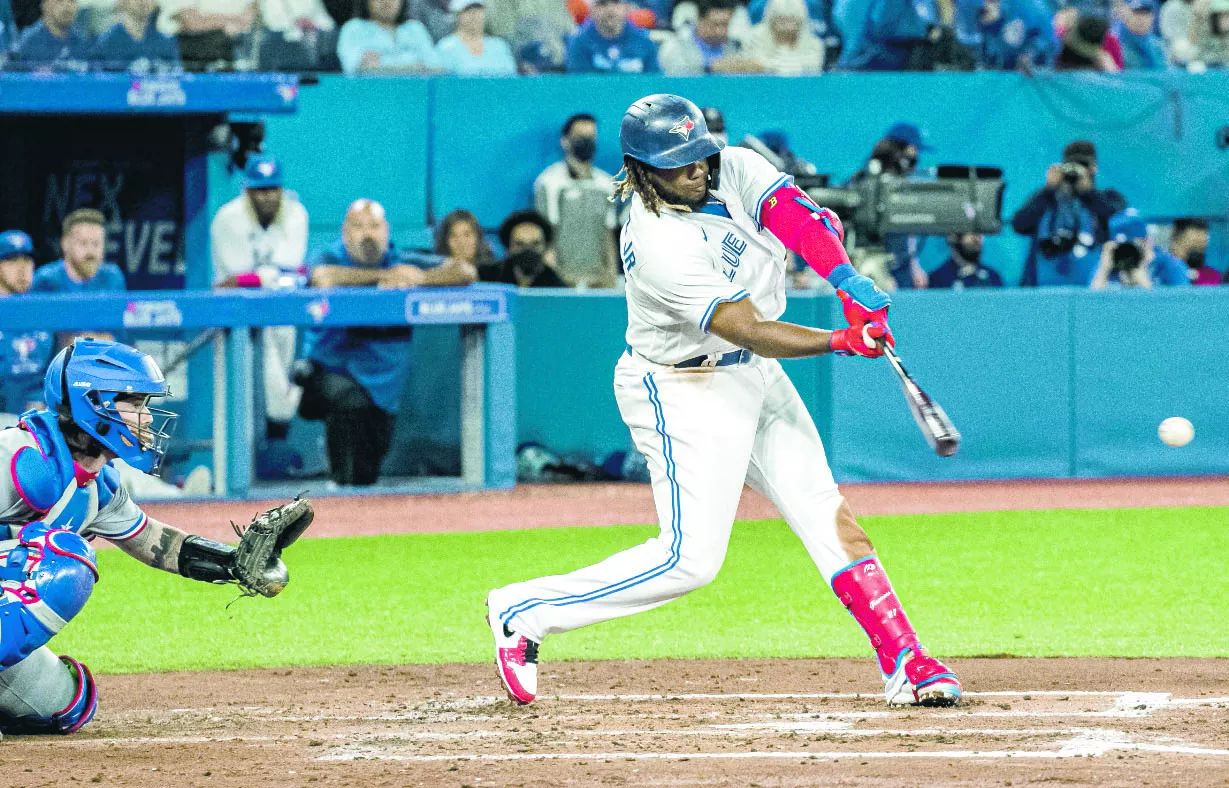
59 489
708 404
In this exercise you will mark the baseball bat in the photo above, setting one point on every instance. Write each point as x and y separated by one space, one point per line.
197 342
938 429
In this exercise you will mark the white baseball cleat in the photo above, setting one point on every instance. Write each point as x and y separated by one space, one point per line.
516 661
921 680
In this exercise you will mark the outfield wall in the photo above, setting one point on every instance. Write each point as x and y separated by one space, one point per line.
424 147
1041 383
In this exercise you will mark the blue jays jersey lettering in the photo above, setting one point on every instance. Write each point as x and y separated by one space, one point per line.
686 263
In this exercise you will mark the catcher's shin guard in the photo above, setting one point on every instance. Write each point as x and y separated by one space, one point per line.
46 694
910 675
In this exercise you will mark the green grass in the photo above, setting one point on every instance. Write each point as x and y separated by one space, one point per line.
1111 583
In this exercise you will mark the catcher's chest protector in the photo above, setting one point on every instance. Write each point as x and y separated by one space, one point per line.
44 479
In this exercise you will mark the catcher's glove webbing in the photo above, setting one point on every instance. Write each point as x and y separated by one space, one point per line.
258 567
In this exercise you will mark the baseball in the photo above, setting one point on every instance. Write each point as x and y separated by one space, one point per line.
1176 431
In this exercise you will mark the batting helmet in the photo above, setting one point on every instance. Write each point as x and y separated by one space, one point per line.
667 131
82 384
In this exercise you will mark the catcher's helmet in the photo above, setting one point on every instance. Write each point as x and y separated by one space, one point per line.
667 131
82 383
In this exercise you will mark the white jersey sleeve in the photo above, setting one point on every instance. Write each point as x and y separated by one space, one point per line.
120 519
749 175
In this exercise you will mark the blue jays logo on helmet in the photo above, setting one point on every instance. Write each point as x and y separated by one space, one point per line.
667 131
83 383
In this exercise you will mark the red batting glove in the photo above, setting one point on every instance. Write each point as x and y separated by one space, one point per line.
864 341
857 315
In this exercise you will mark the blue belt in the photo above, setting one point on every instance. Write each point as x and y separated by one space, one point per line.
724 360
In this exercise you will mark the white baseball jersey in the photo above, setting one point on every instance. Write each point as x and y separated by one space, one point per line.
112 515
240 245
704 430
681 265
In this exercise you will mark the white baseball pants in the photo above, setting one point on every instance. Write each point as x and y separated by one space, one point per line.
704 432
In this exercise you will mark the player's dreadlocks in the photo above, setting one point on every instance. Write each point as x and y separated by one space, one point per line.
634 179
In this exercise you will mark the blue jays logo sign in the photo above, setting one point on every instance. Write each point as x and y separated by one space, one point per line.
683 128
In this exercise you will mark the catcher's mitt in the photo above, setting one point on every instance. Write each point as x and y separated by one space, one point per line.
258 566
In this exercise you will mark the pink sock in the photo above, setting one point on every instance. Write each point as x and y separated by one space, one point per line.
865 590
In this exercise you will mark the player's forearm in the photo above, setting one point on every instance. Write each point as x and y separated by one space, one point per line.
157 545
777 339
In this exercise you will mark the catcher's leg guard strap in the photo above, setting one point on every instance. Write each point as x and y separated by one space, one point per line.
865 590
46 694
207 560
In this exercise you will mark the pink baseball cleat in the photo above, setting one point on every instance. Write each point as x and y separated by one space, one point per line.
920 680
516 661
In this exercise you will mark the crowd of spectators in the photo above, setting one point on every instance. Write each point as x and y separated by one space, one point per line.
1080 233
683 37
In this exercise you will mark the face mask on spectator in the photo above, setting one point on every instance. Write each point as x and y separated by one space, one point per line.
1196 258
528 262
583 148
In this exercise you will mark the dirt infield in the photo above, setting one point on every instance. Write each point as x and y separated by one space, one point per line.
557 505
772 723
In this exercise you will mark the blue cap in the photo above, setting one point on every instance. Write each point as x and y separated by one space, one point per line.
1128 225
908 134
15 243
262 172
1141 5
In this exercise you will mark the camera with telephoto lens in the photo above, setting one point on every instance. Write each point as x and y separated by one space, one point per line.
1126 257
1072 172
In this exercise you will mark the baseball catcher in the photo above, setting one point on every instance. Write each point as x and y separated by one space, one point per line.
59 490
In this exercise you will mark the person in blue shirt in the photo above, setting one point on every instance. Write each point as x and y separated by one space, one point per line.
384 40
353 377
469 51
894 30
1068 221
23 354
52 41
964 268
608 44
83 244
1007 34
1130 258
1135 26
134 43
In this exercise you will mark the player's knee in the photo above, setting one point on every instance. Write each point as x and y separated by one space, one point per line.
51 574
349 394
47 694
697 571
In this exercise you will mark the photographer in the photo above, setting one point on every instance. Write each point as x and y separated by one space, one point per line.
526 235
1131 259
1068 220
897 154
